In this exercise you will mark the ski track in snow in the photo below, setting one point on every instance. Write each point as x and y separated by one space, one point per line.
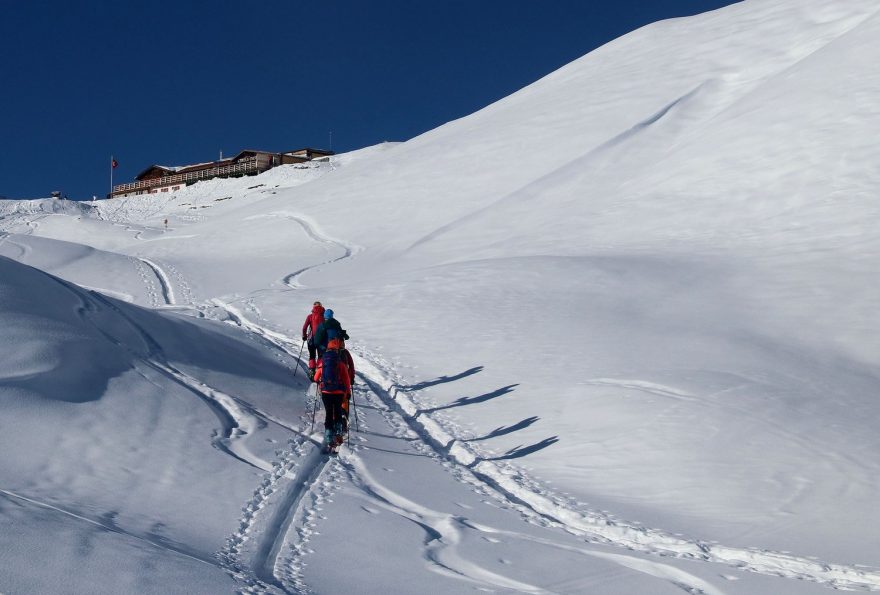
23 249
272 338
149 278
676 576
265 562
598 527
300 508
348 250
301 467
298 466
164 282
291 477
444 529
287 345
9 221
647 387
237 421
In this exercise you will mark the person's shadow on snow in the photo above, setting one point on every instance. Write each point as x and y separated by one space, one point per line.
441 380
519 451
504 430
500 392
513 453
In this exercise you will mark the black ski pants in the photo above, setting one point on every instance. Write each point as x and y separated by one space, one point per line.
333 411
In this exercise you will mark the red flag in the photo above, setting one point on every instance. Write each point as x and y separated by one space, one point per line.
113 163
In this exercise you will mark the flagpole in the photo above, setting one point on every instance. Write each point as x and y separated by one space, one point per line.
111 178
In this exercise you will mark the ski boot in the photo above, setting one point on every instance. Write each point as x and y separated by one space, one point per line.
339 431
329 441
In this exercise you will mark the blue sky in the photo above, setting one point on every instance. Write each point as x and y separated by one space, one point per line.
177 82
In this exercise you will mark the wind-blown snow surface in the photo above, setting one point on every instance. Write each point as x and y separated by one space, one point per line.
616 333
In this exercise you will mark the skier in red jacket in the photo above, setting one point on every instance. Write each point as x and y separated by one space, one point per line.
313 321
334 383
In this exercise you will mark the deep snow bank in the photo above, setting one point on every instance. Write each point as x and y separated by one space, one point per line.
105 429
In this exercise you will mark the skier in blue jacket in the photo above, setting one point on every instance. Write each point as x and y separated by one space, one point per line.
329 329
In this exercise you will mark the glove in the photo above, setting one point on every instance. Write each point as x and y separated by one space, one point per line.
304 337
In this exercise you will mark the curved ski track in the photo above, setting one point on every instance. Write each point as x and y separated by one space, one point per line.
348 251
164 282
236 417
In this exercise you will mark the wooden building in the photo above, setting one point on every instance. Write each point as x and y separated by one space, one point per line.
159 178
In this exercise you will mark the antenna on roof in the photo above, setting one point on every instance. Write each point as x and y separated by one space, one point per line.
221 154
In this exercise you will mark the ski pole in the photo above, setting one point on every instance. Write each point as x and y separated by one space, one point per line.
357 424
348 421
299 358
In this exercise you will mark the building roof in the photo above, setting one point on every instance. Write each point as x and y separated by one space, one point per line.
310 150
176 169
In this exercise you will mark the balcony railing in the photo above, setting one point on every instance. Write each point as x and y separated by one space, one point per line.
243 166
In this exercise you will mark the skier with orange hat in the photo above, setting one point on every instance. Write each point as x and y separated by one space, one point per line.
334 383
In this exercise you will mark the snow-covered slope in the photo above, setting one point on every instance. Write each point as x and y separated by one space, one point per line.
107 416
630 306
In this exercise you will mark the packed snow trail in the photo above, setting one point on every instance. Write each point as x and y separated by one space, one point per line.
164 282
273 538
